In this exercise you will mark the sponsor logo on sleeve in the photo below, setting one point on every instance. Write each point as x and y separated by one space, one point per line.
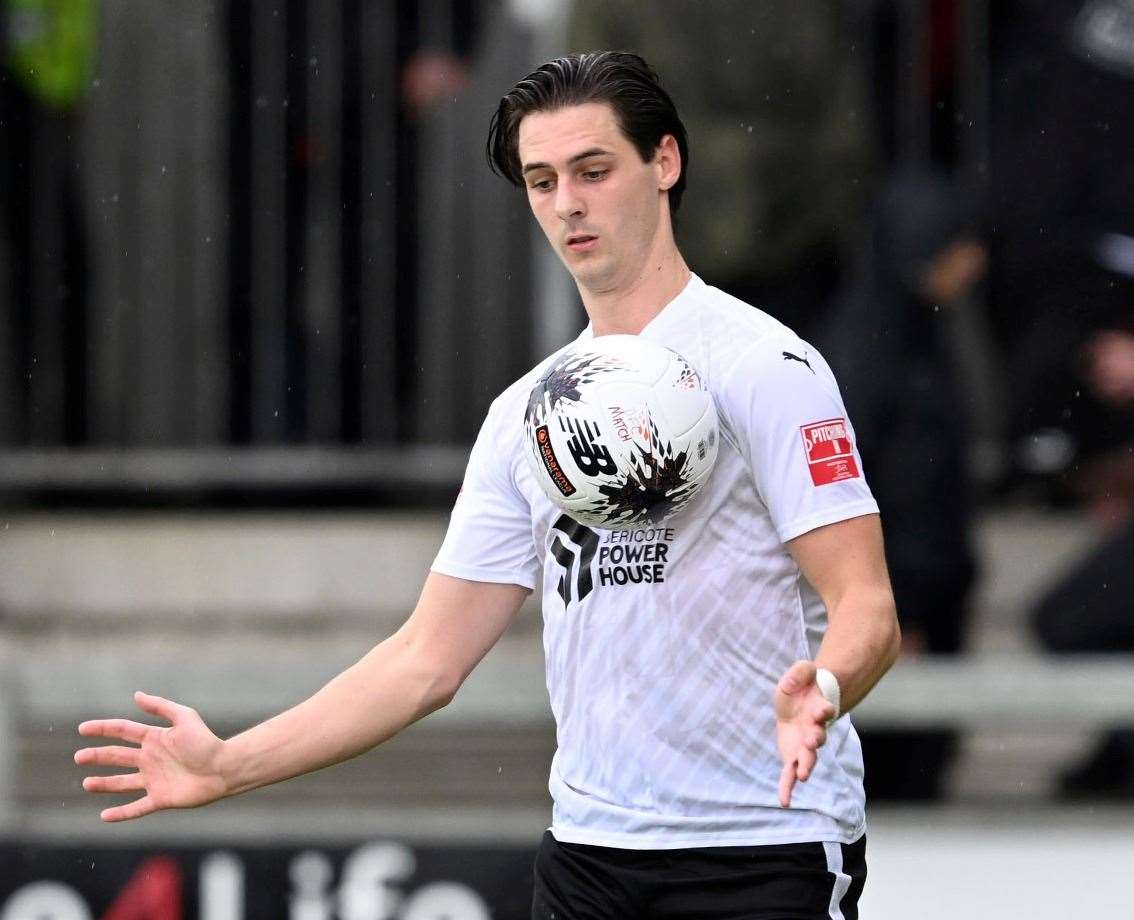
830 453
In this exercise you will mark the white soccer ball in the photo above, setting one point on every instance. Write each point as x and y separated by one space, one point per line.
621 432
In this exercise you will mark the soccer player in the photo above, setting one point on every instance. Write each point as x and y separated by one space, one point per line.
689 780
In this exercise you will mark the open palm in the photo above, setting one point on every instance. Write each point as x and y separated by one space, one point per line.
175 766
801 725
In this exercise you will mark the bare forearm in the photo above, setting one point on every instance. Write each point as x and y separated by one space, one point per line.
388 689
415 671
861 644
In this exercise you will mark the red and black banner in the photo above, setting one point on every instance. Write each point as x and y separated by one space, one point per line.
380 880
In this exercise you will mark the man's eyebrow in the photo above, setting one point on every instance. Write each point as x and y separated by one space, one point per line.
593 152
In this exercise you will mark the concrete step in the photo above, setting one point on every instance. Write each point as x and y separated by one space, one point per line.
94 606
1021 553
427 766
198 570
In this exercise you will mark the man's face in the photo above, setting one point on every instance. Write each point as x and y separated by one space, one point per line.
598 203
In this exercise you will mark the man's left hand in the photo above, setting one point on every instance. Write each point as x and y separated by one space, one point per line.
801 725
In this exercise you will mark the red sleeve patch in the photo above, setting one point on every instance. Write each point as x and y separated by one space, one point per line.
830 453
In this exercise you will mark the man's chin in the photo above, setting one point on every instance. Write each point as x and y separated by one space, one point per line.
590 273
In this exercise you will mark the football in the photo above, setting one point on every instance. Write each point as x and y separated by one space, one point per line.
621 432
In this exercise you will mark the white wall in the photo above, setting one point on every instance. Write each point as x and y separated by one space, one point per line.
1053 864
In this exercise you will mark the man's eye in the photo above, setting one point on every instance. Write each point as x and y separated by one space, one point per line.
594 175
542 185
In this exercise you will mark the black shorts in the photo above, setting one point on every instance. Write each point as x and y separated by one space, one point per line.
797 881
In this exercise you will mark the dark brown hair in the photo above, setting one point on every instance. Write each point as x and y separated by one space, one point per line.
644 110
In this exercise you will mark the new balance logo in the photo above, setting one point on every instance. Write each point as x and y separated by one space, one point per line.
574 561
590 456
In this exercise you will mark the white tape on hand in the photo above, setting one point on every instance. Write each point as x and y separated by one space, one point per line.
828 685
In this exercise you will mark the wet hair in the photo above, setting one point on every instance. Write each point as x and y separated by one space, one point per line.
643 109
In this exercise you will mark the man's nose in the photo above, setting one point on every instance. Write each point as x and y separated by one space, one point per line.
568 203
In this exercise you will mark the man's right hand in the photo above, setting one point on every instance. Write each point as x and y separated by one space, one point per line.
176 766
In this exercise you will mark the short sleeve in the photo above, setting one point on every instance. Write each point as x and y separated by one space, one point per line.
782 407
490 530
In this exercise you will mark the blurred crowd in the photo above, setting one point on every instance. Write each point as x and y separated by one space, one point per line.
975 300
973 286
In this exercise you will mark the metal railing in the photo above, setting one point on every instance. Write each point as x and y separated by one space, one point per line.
280 254
507 691
249 279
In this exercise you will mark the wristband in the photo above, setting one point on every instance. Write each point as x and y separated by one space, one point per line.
828 685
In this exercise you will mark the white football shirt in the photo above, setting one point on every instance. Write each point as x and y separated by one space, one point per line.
664 645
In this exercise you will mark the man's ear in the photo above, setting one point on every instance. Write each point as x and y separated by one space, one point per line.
667 157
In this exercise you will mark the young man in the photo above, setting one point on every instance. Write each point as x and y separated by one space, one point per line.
687 709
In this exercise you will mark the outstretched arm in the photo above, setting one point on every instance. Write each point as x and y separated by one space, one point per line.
409 675
846 564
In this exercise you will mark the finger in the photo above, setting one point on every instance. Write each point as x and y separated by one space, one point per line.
159 706
819 711
122 729
798 676
787 783
110 755
123 782
139 808
805 763
814 739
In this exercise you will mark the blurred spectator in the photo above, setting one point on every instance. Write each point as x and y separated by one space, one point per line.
46 51
1063 183
430 78
1061 169
436 41
892 345
1092 608
774 94
1063 285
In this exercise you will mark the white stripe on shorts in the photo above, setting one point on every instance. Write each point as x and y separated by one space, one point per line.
834 853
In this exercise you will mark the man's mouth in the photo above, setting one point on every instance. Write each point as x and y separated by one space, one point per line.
580 242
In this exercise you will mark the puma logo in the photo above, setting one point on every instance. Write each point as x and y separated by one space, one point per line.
788 356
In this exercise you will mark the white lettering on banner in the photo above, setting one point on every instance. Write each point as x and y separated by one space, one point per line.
45 901
311 873
445 901
222 887
371 887
367 891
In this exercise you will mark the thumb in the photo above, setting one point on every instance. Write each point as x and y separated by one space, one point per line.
798 677
158 706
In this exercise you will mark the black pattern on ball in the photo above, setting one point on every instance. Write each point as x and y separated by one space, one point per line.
561 383
656 486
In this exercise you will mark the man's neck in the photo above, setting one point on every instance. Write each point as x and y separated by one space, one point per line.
630 307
